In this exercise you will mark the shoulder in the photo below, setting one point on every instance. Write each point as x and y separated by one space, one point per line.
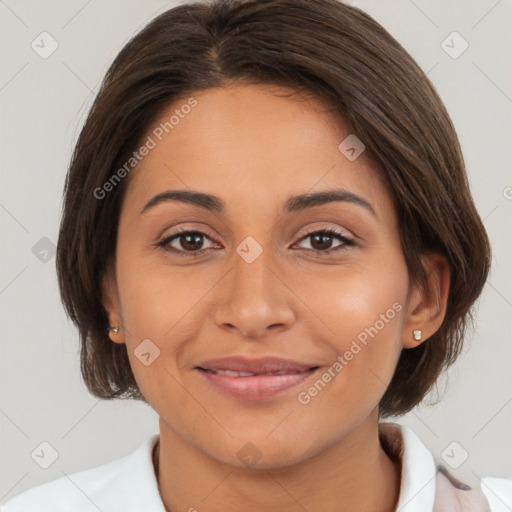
110 486
489 494
76 490
427 484
498 492
485 494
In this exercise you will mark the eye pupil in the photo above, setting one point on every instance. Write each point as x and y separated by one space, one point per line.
324 239
193 241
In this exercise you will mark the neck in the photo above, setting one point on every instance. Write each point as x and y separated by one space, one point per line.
355 474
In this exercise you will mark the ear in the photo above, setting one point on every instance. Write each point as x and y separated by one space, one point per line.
110 300
427 306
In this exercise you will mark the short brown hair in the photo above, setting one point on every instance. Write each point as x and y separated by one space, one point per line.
334 51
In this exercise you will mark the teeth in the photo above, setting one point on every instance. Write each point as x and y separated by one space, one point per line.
232 373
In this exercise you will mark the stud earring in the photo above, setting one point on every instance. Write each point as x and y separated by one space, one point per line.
416 334
114 329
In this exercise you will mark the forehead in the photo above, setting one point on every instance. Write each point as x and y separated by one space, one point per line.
255 143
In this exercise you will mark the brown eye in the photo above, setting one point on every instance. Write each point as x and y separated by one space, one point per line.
186 243
322 241
191 241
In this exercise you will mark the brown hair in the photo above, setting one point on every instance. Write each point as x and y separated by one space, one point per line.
324 47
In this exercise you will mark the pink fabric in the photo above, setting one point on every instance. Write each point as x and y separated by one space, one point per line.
446 492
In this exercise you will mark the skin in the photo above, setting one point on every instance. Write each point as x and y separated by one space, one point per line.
254 148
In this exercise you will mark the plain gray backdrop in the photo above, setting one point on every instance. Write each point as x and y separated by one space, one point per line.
44 99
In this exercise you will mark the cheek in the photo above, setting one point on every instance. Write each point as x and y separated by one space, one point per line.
155 297
157 312
166 305
360 313
352 298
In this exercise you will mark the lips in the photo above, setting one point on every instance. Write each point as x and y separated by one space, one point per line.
254 379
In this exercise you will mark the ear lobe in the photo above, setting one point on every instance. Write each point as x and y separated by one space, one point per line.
110 301
427 305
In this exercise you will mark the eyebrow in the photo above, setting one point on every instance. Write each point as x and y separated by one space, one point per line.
293 204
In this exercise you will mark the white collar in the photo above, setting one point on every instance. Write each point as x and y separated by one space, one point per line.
129 484
418 473
417 481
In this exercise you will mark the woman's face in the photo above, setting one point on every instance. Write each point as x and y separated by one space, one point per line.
320 284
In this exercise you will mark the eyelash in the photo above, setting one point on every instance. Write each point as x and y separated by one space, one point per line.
163 244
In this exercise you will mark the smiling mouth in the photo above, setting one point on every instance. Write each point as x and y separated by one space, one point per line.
252 386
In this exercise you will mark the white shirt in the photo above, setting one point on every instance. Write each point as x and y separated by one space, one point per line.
129 484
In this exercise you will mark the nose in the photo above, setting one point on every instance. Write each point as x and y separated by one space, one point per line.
254 300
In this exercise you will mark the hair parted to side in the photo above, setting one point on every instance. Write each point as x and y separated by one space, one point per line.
324 47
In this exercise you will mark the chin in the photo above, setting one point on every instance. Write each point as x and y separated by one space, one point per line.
260 452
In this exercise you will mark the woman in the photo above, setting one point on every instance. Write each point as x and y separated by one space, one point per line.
268 236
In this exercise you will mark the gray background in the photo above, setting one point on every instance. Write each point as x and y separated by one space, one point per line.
43 104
